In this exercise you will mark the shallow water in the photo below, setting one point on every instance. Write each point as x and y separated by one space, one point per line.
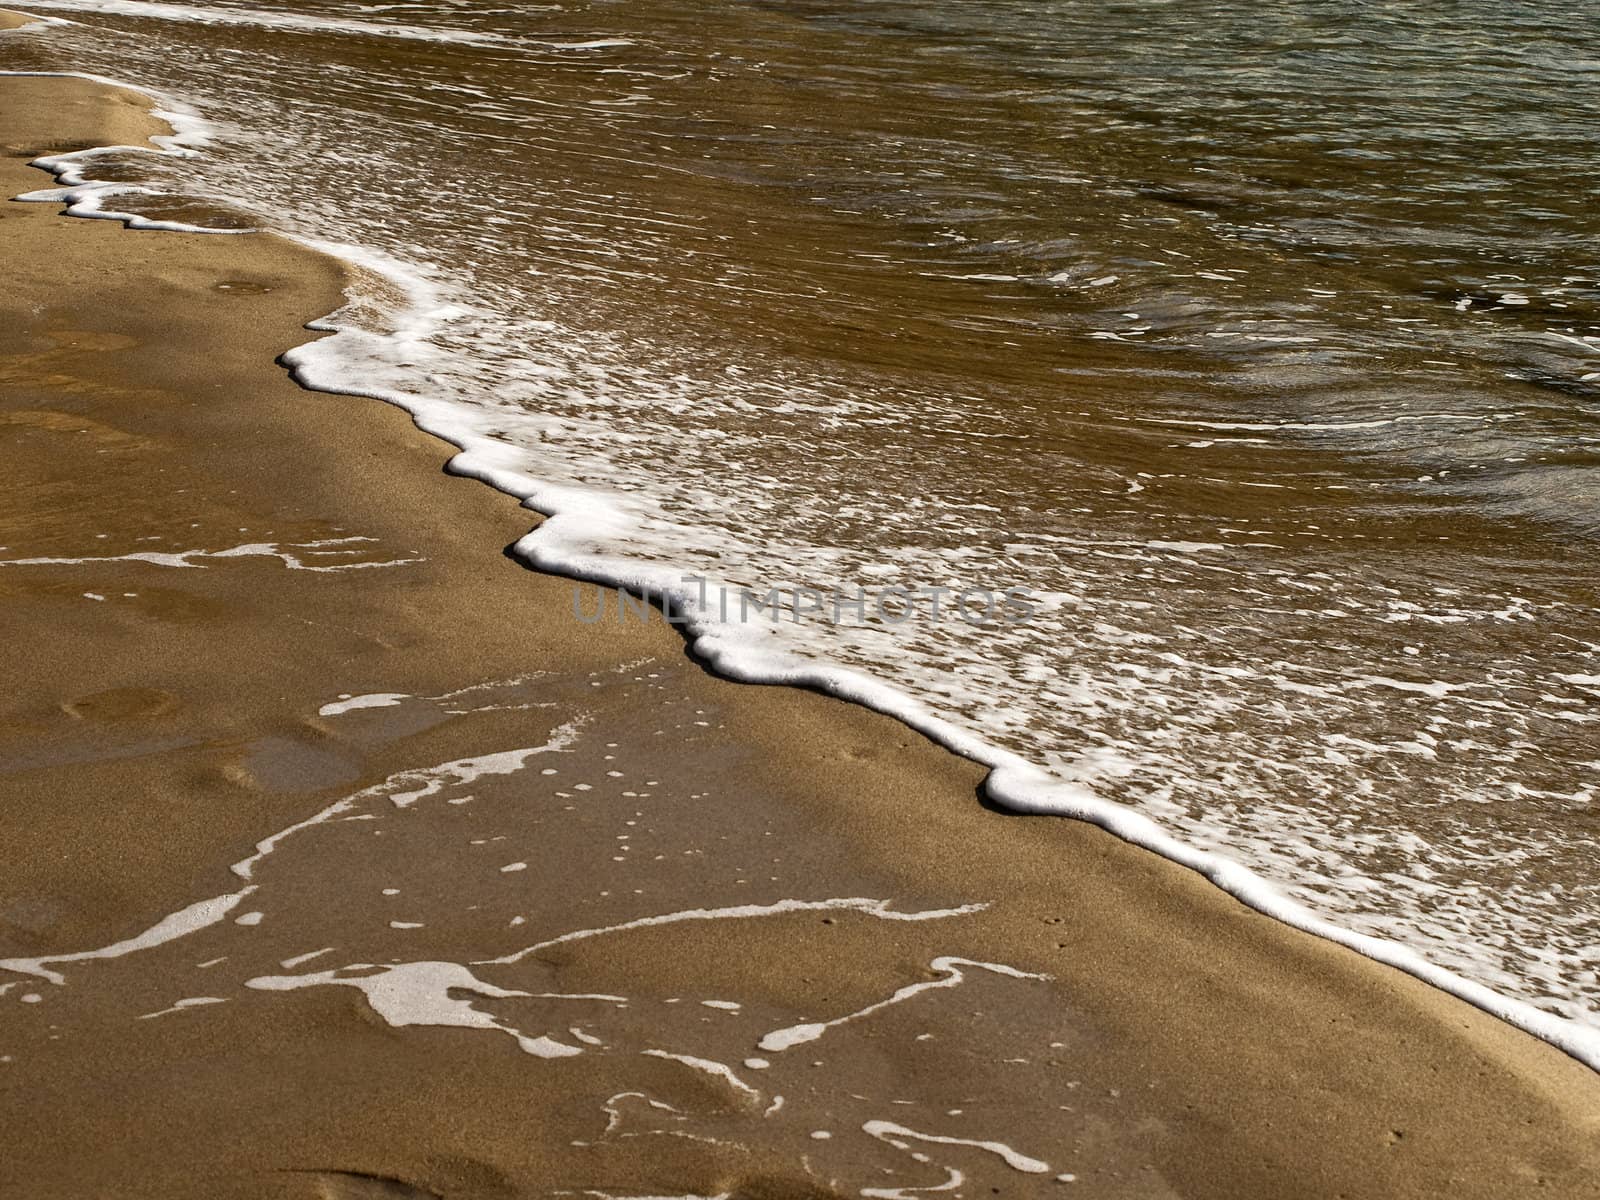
1260 348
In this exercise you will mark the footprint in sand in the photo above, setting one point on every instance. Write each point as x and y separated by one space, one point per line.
121 704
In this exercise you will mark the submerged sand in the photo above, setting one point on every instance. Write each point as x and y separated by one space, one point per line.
619 906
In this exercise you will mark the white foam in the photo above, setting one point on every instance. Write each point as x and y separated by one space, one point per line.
405 788
953 1180
950 973
1436 688
888 1131
738 912
289 964
419 785
420 993
613 1109
245 867
370 700
181 1005
190 131
85 196
293 557
185 921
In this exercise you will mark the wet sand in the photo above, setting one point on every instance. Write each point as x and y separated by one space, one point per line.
1107 1017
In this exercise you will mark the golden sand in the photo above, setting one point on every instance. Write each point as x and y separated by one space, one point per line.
161 720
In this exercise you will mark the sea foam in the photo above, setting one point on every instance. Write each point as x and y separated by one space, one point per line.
85 196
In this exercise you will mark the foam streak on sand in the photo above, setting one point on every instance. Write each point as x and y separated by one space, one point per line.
950 973
402 790
200 915
900 1138
613 1110
405 788
85 197
337 708
184 1005
875 908
186 558
888 1131
419 993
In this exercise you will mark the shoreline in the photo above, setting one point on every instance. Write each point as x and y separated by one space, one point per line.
790 733
1011 782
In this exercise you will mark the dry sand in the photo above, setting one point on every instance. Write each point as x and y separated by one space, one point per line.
160 720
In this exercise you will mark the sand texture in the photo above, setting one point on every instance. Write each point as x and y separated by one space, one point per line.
617 907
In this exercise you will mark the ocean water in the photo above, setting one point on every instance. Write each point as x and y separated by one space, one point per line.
1258 349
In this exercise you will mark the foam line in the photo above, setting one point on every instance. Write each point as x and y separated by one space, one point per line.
190 131
85 196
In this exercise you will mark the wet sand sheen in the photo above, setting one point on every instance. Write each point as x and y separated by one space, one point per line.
1101 1013
1277 622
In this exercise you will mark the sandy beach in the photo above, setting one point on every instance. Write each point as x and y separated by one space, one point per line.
617 907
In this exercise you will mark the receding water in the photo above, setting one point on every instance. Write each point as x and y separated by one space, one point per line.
1258 343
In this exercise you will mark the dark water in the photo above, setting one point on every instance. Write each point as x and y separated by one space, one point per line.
1258 343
